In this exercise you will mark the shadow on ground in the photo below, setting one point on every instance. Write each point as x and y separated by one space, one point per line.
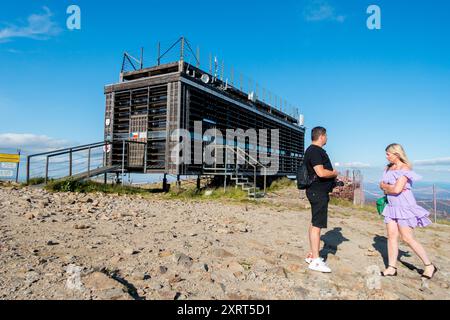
332 239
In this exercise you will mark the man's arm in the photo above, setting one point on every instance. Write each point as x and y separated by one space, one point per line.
325 173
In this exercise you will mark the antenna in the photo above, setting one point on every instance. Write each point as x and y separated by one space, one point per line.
198 57
132 60
216 67
159 53
210 63
182 49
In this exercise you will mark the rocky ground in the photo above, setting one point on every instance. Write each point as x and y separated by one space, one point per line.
95 246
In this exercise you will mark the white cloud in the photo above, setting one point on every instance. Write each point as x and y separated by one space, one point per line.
321 10
433 162
352 165
38 27
30 142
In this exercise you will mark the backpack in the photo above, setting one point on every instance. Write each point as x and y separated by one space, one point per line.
304 181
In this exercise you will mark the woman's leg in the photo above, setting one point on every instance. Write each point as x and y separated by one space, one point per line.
408 237
392 231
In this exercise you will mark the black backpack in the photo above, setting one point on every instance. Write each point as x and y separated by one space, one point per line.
304 181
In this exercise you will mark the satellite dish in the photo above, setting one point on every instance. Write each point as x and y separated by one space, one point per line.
301 120
205 78
252 96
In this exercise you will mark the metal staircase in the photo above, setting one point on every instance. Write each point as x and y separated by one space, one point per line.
242 177
81 162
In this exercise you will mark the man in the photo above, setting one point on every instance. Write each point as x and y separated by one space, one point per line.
320 169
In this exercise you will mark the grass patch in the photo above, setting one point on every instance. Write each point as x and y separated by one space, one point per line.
230 193
443 221
70 185
34 181
280 184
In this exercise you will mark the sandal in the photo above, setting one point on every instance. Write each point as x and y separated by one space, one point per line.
434 271
389 275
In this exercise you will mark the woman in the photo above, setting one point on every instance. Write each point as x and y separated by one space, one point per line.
402 214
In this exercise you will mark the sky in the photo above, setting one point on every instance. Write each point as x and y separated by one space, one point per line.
369 88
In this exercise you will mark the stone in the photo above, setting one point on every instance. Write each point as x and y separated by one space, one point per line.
32 277
175 279
237 296
184 260
301 292
291 257
162 269
371 253
73 281
105 288
222 253
116 259
81 227
164 254
130 251
294 268
235 267
278 271
168 295
30 215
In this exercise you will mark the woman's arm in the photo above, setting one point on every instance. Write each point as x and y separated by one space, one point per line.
395 189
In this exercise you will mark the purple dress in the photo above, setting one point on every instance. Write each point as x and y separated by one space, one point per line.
402 208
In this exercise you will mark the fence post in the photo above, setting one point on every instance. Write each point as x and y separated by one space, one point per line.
28 169
225 176
265 180
46 170
70 163
18 167
123 160
89 162
145 157
254 181
434 203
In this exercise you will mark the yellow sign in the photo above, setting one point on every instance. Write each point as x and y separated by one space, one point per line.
12 158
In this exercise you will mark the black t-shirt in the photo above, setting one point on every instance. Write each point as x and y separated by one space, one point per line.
315 156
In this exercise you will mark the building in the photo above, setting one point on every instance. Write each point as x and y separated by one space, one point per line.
147 105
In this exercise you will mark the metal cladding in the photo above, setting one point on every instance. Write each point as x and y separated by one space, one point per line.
147 105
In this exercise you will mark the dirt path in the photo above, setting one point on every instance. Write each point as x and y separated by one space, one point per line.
75 246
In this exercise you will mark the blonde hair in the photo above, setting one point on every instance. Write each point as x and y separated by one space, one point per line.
398 150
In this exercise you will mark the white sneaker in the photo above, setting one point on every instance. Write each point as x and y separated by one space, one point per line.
309 260
319 265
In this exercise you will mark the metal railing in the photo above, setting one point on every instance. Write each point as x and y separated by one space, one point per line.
72 151
240 153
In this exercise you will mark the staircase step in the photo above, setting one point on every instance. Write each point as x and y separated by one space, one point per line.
258 195
251 189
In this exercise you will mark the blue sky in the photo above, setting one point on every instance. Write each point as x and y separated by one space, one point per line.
368 87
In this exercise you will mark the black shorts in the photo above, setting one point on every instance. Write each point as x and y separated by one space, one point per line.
319 208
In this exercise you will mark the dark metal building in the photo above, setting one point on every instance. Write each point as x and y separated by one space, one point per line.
147 105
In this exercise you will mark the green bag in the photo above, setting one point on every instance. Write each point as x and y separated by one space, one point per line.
381 204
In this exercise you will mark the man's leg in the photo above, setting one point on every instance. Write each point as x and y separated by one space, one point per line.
314 241
319 209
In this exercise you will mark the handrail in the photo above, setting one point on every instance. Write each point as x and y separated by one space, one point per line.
236 151
71 150
68 149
